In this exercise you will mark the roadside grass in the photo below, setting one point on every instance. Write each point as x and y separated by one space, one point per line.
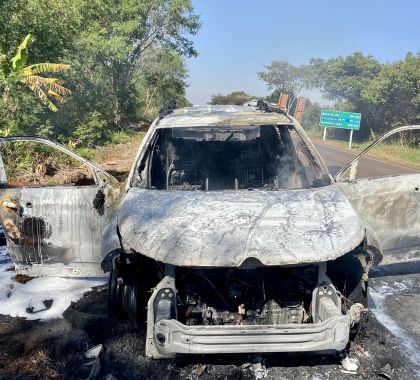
391 152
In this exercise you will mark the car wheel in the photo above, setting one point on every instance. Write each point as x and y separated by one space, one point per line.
114 295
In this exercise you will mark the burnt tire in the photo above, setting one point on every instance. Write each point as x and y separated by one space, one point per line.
114 295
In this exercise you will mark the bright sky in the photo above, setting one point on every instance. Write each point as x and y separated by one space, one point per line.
239 37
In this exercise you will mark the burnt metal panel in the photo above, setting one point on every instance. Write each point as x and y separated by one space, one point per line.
198 116
224 228
53 230
390 207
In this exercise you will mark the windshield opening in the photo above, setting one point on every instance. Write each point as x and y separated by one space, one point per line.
221 158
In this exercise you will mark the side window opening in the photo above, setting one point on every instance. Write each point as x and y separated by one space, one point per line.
222 158
31 163
398 154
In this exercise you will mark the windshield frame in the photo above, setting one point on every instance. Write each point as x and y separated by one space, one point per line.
148 146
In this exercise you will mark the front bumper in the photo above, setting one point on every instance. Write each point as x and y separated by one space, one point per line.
172 337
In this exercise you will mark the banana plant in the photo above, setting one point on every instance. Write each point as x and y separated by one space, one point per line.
46 89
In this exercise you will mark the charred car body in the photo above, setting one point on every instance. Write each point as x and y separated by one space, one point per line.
231 236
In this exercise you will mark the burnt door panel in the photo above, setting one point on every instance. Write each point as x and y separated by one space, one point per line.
386 193
53 214
391 207
53 231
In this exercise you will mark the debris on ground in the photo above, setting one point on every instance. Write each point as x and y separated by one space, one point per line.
22 278
259 370
386 372
59 349
356 312
350 365
86 344
199 369
93 352
359 350
47 306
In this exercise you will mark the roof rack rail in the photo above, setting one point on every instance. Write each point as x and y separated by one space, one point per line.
167 109
264 106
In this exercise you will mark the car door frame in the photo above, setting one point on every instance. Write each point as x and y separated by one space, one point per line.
98 203
384 189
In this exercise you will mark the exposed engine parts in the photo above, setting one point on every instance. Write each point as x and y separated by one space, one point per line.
195 310
262 296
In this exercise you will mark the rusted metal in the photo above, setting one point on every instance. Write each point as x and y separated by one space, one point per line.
282 103
300 108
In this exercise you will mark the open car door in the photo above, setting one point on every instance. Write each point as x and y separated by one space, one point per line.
54 205
387 194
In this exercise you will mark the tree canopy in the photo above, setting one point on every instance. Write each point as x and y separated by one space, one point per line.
126 57
281 76
236 98
386 94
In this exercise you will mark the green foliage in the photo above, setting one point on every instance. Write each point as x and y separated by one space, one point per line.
310 119
236 98
387 95
14 73
281 76
120 137
92 131
116 41
21 58
343 78
161 78
395 92
127 60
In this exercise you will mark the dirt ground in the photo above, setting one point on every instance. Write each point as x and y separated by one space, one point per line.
118 159
55 350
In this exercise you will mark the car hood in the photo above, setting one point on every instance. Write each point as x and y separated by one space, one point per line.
224 228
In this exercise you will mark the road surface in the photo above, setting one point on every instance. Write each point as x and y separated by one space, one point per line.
336 158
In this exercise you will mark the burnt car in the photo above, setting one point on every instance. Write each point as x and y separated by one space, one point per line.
230 236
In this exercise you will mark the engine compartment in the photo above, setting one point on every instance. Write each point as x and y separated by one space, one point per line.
258 296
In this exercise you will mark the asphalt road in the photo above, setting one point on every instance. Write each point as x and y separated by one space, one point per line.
336 158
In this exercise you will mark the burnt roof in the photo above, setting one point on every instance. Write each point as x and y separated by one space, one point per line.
199 116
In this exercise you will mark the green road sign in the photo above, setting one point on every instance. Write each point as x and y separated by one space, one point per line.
338 119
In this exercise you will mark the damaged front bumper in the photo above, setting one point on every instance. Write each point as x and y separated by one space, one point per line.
172 337
167 336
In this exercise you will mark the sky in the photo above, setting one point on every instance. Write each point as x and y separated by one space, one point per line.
239 37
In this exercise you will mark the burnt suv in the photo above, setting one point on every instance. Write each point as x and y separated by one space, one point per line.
230 236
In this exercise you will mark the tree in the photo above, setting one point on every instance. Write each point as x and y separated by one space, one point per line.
386 95
395 92
15 72
42 87
311 115
343 79
281 76
117 36
163 78
236 98
109 45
